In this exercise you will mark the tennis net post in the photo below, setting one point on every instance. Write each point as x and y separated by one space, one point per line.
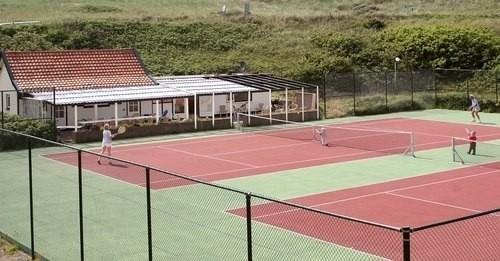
474 152
455 154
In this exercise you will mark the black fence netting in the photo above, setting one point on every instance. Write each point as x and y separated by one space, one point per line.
338 95
423 91
334 237
65 203
453 88
55 202
114 209
194 223
15 191
472 238
361 93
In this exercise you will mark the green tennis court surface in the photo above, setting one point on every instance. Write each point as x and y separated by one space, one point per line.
189 222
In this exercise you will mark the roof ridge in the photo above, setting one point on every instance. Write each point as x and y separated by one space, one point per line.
71 50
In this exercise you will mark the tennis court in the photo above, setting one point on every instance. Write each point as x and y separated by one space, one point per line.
366 181
264 151
412 202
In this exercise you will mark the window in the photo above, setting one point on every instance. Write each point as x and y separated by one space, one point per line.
133 107
59 112
241 96
7 102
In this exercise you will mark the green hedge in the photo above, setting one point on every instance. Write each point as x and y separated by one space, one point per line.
42 129
302 54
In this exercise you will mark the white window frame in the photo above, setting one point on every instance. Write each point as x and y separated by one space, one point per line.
133 106
7 102
60 110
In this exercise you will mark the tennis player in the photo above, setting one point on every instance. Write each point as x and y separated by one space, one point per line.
322 136
472 142
107 139
474 108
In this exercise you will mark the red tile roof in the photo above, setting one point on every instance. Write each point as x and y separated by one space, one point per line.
76 69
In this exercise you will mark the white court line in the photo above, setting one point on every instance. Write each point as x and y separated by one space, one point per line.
244 135
95 173
263 148
382 192
362 252
425 133
270 165
296 144
333 141
225 137
284 164
266 166
208 157
433 202
58 159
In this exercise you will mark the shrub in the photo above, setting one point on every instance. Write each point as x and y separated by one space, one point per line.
37 128
439 46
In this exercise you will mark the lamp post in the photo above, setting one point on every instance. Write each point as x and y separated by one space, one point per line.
396 61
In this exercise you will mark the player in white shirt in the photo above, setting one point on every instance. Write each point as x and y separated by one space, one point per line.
322 136
107 139
474 108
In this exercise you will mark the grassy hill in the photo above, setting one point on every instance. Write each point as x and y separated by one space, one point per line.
208 9
292 38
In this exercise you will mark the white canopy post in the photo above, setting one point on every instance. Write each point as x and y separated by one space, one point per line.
76 118
157 112
195 113
303 104
44 110
96 113
249 107
286 103
213 109
270 107
186 108
173 109
317 102
231 109
116 114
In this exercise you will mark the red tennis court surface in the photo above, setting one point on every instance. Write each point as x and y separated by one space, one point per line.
238 155
411 202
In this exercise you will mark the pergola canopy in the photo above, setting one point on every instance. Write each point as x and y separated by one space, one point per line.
173 87
265 82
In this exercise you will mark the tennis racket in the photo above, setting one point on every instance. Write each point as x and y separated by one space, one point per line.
122 129
467 131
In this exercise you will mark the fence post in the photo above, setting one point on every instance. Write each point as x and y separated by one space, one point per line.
467 90
435 87
80 204
32 225
406 243
412 88
148 205
248 197
354 93
496 87
1 105
324 96
54 112
386 105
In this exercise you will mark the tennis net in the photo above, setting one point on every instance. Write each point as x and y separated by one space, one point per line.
380 140
487 154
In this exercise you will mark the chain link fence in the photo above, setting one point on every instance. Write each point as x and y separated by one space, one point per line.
362 93
55 207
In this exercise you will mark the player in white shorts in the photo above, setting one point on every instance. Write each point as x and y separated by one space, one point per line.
474 108
107 139
322 136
